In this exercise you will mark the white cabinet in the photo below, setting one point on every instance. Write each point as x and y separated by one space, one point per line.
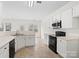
76 11
30 40
19 42
22 41
68 47
67 19
61 46
4 51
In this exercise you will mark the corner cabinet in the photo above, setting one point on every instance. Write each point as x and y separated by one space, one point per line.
4 51
68 47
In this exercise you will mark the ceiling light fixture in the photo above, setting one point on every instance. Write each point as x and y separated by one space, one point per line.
31 3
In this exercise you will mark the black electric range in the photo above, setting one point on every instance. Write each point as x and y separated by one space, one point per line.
53 40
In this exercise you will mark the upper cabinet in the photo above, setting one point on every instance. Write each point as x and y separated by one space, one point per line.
66 18
76 11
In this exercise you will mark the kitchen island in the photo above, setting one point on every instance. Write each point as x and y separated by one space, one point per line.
22 39
4 45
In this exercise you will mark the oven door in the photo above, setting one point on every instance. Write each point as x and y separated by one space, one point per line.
53 43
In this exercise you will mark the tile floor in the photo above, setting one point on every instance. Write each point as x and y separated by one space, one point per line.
40 50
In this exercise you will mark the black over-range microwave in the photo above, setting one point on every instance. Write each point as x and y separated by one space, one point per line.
57 25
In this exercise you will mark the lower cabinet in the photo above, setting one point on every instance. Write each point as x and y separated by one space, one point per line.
19 42
24 41
61 46
68 48
4 51
30 41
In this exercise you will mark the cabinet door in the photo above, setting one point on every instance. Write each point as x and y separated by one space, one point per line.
21 42
61 47
5 54
30 40
76 11
67 19
16 44
27 40
64 47
4 51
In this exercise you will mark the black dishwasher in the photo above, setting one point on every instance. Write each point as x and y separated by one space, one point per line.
12 48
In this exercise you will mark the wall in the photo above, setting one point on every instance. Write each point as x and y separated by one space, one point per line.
49 19
18 15
17 23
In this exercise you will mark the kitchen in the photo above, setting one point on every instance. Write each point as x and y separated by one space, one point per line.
39 29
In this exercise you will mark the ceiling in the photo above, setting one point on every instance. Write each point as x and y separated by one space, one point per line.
20 9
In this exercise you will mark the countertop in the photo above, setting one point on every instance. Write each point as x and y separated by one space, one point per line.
14 33
25 33
5 39
69 35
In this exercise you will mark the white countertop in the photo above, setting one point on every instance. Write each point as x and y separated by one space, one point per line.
5 39
27 33
8 33
73 35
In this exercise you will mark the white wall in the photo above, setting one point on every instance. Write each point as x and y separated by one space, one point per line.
18 15
57 12
17 23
